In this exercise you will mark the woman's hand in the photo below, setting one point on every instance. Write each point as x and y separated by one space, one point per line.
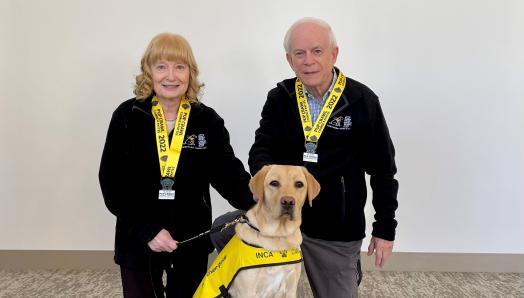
163 242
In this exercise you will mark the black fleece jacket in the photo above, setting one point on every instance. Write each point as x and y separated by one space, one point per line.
130 179
354 142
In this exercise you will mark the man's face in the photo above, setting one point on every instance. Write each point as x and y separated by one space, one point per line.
311 56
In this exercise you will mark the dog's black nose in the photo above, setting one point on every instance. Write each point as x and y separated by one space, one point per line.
287 201
287 205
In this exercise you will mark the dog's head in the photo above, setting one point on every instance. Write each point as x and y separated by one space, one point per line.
281 191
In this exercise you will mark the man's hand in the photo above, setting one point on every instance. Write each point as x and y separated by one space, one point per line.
382 249
163 242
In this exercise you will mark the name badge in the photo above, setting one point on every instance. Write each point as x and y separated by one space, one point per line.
310 157
167 192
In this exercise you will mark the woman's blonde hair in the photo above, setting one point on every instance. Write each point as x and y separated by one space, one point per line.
170 47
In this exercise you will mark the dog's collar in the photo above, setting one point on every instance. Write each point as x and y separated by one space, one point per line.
244 219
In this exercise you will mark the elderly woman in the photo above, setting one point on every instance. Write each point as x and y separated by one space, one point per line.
163 150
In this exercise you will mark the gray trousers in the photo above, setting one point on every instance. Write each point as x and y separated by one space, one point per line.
332 267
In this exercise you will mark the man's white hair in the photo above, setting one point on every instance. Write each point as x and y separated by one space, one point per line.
321 23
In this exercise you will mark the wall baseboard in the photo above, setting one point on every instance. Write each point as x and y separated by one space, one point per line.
399 261
449 262
56 259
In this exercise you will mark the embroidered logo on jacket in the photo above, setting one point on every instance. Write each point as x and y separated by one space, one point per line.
195 141
340 122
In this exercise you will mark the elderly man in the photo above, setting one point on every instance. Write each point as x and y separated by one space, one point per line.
335 127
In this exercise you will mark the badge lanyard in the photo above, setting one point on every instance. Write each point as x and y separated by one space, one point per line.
313 132
169 157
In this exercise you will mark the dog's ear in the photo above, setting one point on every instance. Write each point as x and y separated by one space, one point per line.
256 184
313 187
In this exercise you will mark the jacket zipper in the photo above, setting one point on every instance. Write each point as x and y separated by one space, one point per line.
206 204
343 184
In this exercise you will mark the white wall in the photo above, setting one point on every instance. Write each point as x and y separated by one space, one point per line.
449 74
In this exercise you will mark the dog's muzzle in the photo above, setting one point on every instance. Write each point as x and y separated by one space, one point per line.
287 206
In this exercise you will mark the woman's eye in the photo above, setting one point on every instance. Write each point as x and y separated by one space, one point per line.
180 67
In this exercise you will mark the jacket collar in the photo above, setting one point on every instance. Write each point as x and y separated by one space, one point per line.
145 105
349 96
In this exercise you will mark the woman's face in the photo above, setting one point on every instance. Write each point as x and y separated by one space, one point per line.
170 79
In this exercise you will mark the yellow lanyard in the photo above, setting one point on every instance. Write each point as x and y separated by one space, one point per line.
312 133
169 158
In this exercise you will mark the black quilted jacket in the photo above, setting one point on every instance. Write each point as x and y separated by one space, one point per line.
354 142
130 179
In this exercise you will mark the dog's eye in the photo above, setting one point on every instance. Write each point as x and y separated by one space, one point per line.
274 183
299 184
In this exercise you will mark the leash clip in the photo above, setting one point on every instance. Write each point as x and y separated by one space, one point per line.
228 224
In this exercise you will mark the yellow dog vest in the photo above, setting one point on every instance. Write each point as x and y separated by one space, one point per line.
237 256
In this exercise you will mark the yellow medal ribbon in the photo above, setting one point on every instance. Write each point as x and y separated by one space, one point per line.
313 132
169 158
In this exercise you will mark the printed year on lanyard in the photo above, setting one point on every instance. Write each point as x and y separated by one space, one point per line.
169 157
313 132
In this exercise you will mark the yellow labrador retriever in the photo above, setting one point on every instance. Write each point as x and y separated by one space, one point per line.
270 231
274 224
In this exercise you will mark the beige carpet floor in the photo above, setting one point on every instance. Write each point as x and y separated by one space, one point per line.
106 283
